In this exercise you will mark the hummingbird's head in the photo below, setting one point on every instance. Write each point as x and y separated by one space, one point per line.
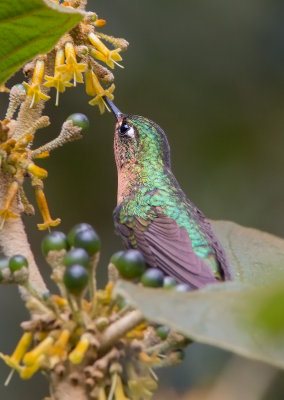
138 140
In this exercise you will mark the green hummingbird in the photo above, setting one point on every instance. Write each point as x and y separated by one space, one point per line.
153 214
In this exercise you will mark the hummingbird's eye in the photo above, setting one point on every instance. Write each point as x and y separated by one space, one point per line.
126 130
124 127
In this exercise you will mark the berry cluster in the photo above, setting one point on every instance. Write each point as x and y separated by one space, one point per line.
88 336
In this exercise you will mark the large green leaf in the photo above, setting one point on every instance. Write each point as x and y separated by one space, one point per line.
245 316
255 257
28 28
222 316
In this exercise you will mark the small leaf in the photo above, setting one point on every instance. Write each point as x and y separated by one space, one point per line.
245 316
255 257
29 28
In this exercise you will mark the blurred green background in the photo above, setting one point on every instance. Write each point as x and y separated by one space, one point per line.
211 73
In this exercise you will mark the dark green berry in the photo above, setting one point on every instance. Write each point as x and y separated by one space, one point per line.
76 256
130 263
80 120
153 277
77 228
76 279
116 256
163 331
183 287
88 240
169 282
54 241
17 262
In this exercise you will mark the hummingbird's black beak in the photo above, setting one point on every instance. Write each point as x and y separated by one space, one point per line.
113 108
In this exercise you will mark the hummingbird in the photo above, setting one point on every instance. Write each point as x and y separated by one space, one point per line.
153 214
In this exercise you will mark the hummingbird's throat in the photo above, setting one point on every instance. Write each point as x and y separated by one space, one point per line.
125 149
126 180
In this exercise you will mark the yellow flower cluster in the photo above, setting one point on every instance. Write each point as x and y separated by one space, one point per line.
76 54
67 68
17 160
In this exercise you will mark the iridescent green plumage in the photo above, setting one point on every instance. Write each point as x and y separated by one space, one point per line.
154 215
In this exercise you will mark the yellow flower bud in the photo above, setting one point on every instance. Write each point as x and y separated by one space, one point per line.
99 45
42 348
93 85
77 355
37 171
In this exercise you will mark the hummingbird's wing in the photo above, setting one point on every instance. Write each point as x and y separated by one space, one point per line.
167 246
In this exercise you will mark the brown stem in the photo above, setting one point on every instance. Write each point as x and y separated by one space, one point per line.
13 238
117 329
65 389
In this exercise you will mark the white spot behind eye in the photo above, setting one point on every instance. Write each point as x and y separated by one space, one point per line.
130 132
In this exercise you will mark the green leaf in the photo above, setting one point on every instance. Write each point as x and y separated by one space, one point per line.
255 257
245 316
29 28
220 315
268 311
